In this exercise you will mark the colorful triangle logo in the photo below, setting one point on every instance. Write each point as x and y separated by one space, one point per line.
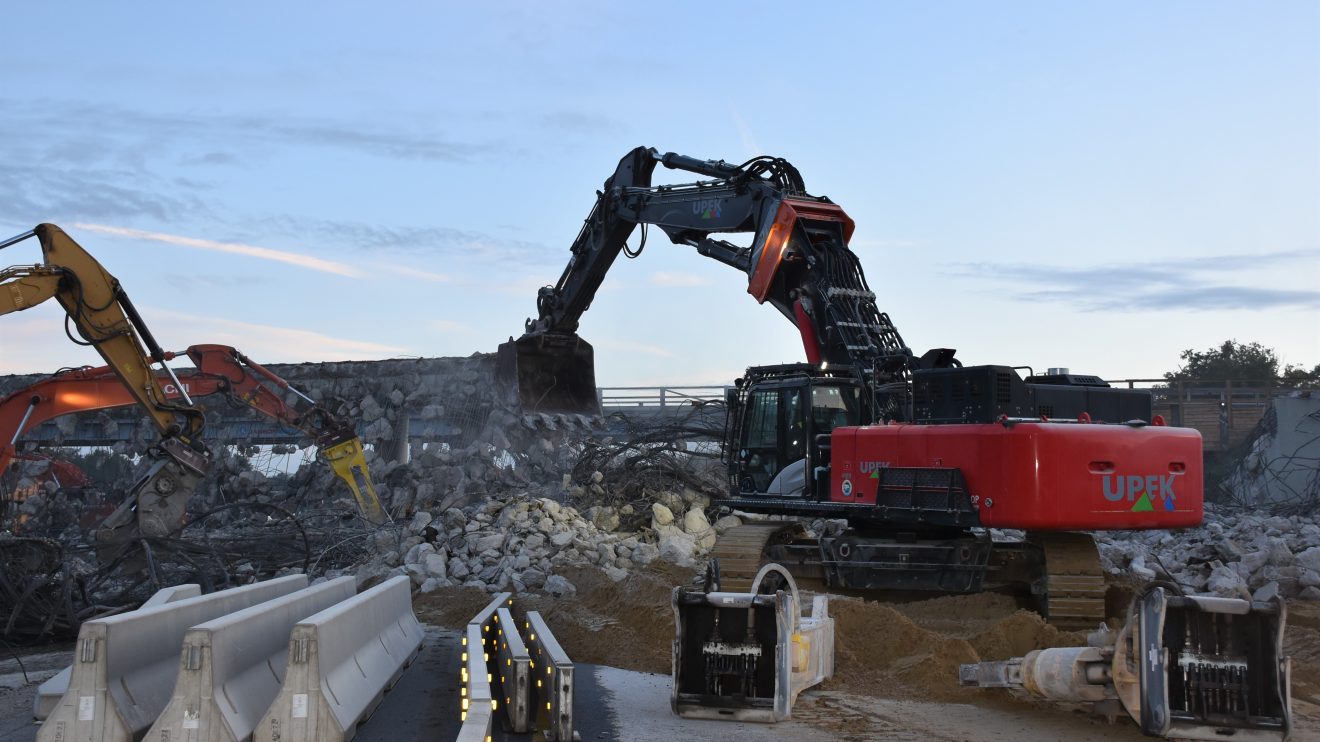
1143 505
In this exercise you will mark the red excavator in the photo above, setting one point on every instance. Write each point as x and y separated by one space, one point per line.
919 455
217 370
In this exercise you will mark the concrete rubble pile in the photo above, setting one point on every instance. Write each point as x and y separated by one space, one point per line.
1235 553
518 541
1280 467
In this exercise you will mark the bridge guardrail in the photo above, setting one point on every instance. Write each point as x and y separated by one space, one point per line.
658 396
553 690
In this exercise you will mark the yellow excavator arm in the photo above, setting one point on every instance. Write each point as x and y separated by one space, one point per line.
106 319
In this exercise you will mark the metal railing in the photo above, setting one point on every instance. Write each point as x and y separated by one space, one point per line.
658 396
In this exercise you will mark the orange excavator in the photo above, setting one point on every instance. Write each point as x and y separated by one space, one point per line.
100 314
218 369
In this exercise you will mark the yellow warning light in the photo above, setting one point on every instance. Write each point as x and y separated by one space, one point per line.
465 641
462 691
494 705
538 684
485 656
465 704
465 656
462 716
508 663
547 705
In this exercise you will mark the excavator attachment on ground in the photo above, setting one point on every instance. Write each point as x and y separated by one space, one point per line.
746 656
1182 667
551 373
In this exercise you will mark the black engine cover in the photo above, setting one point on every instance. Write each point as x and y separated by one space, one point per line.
981 394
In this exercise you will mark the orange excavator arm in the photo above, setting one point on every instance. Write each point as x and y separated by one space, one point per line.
219 369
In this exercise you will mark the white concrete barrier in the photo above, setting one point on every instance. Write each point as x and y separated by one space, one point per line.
341 662
50 692
125 665
231 668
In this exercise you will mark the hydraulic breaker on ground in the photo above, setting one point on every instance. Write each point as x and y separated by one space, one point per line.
1184 667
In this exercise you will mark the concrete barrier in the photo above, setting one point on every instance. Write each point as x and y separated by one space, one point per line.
125 666
231 668
552 693
513 665
50 692
341 662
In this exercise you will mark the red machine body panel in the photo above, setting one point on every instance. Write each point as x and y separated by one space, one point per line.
1039 476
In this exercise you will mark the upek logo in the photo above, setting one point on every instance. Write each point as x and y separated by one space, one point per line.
872 467
707 208
1140 491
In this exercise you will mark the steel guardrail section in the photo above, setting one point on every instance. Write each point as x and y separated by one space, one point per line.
341 663
475 696
514 670
125 666
230 667
552 693
479 701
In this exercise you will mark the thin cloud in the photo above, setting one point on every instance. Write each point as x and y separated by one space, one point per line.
750 147
79 125
672 279
452 327
1197 284
405 270
631 347
253 251
268 343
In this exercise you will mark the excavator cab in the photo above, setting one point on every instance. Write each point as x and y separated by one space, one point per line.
782 417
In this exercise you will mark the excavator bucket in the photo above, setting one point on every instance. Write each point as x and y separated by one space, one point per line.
350 464
549 373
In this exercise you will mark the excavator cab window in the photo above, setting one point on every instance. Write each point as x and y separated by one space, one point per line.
833 407
772 459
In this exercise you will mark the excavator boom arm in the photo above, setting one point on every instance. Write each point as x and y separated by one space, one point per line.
798 262
104 317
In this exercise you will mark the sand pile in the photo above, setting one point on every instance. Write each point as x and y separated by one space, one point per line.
901 650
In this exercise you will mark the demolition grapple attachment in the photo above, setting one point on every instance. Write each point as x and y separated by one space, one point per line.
747 656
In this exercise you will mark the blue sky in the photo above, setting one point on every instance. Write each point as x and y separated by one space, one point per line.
1091 185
